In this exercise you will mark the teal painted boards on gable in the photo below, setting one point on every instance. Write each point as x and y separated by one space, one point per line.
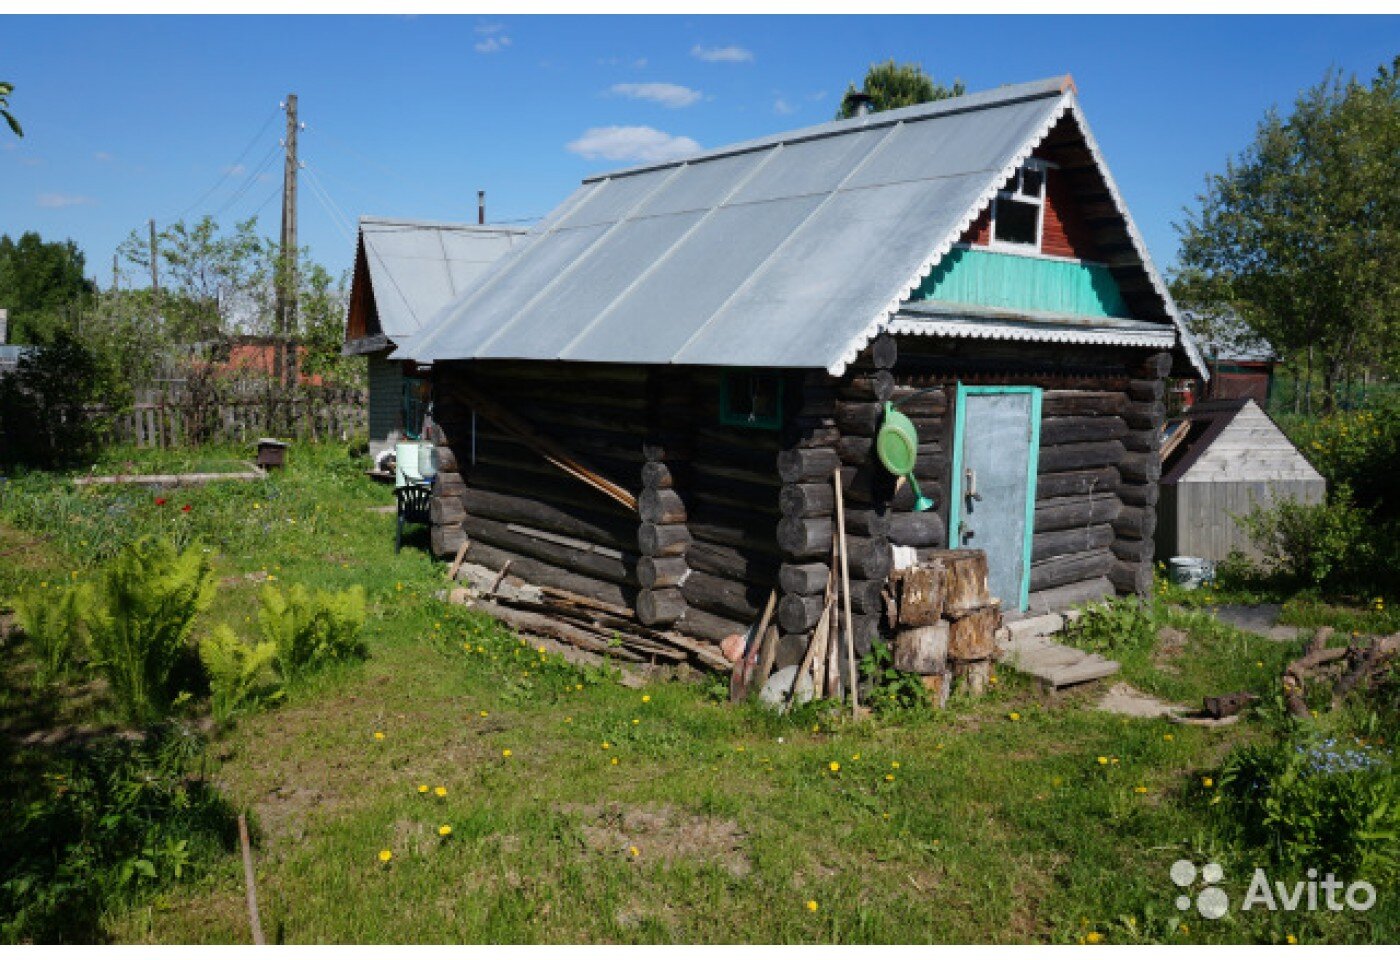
1011 282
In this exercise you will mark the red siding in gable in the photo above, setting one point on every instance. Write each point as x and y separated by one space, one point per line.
1063 234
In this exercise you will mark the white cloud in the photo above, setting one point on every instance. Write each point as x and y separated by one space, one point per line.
102 156
642 144
236 170
729 54
667 94
491 44
63 200
487 29
782 107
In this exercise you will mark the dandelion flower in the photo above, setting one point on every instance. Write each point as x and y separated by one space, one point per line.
889 778
1093 936
568 719
1014 715
385 856
633 851
834 767
440 791
422 788
379 734
894 764
635 721
1207 782
1168 737
855 756
506 753
812 906
1103 761
1292 939
606 745
1139 789
445 830
614 761
1113 760
578 686
484 714
646 698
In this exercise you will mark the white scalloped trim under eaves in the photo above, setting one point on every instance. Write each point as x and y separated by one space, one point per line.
882 318
992 331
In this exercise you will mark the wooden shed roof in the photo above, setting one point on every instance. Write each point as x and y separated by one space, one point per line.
1234 440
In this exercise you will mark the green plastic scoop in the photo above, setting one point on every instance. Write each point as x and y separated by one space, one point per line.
897 445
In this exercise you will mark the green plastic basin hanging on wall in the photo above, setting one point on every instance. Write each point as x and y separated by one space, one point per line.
897 445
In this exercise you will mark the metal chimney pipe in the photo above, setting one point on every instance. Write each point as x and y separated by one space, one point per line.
862 101
481 206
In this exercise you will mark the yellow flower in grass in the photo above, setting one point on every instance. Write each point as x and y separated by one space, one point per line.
834 767
614 761
634 852
1207 782
422 788
1093 936
568 719
812 906
1103 761
485 714
385 856
1168 737
379 734
445 830
646 698
1014 715
855 756
894 764
889 778
1139 789
606 745
1292 939
440 791
506 753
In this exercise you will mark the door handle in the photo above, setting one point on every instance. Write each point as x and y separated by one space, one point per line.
964 531
970 486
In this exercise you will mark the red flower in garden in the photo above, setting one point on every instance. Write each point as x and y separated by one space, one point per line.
185 508
160 501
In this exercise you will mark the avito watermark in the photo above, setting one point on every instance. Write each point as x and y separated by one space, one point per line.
1212 902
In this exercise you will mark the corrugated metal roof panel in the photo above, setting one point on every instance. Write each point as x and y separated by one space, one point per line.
787 251
416 267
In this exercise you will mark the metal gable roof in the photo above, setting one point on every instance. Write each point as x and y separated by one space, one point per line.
791 251
417 266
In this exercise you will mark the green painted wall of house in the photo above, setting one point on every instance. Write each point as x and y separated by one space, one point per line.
1004 280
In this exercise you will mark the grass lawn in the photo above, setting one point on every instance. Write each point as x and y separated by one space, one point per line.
584 811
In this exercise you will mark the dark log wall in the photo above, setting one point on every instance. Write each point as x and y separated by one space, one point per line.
511 504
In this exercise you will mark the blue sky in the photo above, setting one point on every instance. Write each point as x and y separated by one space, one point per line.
136 117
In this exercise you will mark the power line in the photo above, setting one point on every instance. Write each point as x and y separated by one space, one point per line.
251 179
228 170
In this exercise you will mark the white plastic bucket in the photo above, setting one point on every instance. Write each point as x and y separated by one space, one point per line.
406 464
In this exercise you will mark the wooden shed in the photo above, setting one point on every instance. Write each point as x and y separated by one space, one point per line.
716 339
405 272
1231 459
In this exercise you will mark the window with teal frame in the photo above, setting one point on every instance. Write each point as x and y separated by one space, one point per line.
416 393
751 398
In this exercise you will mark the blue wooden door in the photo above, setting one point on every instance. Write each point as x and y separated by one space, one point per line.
996 446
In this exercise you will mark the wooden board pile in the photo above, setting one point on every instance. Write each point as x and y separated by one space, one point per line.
945 622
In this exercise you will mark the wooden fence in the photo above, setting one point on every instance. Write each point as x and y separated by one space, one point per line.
173 419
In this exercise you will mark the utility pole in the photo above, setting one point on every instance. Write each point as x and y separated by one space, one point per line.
481 206
284 360
116 274
155 278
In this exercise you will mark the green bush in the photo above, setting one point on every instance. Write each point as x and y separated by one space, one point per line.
1357 448
241 675
101 826
891 690
1329 804
53 622
1325 545
1113 627
139 623
309 629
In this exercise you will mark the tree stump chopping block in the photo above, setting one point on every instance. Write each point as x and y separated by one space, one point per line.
966 584
973 637
922 650
921 594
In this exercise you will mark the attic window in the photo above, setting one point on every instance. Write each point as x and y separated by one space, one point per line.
751 398
1018 210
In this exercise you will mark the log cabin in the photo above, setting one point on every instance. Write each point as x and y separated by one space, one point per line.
405 272
718 336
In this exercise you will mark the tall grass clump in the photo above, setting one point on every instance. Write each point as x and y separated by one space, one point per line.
308 629
144 607
242 677
53 622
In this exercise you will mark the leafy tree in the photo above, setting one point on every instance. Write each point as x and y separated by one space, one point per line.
891 85
39 280
46 416
1301 233
321 307
5 90
211 281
